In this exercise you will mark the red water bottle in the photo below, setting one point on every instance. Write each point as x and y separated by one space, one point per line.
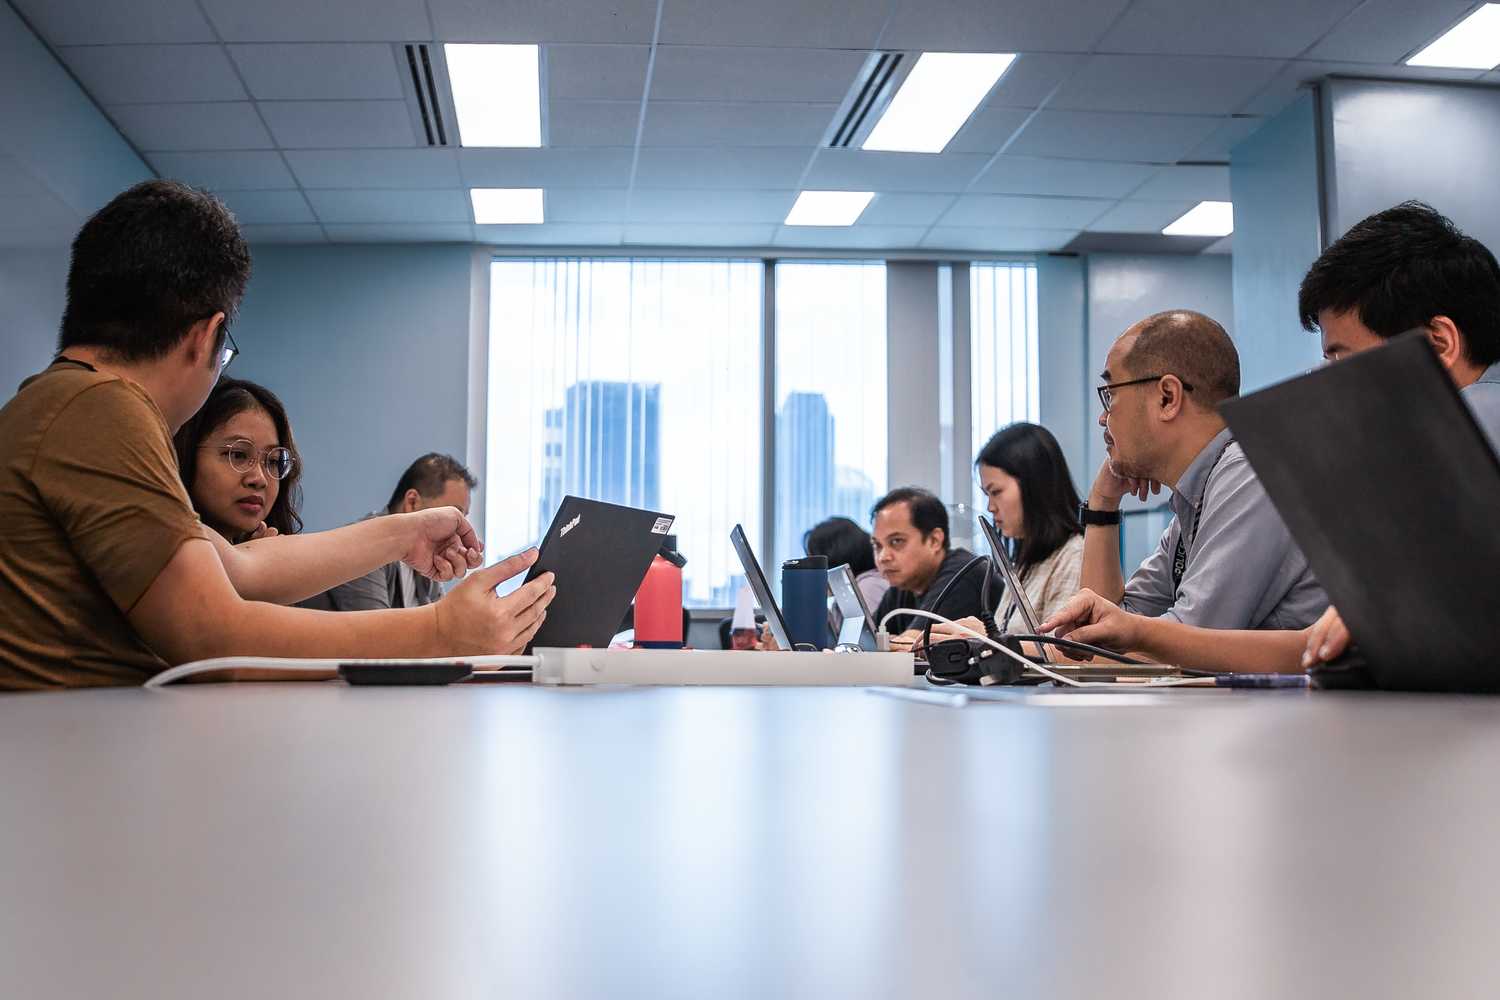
658 604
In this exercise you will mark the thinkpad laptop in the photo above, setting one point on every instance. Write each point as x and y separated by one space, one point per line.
600 553
1391 489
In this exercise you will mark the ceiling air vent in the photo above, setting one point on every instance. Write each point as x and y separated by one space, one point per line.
431 110
877 82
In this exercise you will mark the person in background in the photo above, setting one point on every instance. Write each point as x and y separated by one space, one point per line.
914 555
434 480
1025 478
846 543
240 465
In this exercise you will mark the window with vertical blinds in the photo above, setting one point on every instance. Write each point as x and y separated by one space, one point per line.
1002 349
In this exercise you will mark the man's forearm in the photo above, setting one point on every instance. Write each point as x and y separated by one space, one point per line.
262 629
285 569
1270 651
1101 562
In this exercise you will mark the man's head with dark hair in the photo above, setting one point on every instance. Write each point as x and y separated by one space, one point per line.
910 538
147 266
1166 375
1402 269
434 480
843 542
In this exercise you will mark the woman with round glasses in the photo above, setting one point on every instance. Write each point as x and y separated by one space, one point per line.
240 464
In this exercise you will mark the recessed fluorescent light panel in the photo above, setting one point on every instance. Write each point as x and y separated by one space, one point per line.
939 94
1207 218
828 208
497 94
494 206
1473 43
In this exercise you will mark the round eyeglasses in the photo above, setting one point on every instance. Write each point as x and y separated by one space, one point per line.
241 455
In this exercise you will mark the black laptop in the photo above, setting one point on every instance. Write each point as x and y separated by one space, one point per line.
600 553
1393 492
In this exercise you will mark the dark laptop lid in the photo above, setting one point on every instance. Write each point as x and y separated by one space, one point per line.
600 553
1388 485
760 587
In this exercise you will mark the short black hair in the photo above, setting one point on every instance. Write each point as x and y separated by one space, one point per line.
233 396
843 542
147 266
1049 503
1192 346
1399 268
428 475
927 511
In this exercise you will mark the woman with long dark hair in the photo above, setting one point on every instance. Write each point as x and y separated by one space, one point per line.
240 464
1025 477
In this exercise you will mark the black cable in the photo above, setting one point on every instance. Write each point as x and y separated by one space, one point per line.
937 604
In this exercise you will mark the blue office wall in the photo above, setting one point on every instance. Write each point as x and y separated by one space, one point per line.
1273 179
1062 348
369 349
32 288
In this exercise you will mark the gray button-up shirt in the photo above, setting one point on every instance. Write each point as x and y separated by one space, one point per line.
1483 397
1243 569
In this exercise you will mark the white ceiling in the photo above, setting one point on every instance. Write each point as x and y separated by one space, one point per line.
695 122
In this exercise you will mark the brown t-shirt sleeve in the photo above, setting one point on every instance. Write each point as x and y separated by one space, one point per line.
107 471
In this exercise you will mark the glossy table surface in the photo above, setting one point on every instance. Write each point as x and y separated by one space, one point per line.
313 840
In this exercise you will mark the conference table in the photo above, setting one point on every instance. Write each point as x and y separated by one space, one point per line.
317 840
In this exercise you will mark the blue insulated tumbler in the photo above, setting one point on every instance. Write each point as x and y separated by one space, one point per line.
804 601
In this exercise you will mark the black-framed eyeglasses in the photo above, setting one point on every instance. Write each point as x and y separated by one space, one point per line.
241 456
229 351
1107 392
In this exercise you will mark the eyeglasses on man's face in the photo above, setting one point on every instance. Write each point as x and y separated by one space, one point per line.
229 351
241 455
1107 392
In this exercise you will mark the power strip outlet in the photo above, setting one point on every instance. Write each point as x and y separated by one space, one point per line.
719 667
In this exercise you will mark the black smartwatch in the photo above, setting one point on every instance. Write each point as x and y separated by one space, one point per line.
1087 517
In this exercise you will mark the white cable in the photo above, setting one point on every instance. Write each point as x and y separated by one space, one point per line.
1027 664
321 666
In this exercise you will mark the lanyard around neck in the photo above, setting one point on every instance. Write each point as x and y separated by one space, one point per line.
1179 558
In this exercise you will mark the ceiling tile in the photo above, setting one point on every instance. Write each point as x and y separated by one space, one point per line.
1084 178
551 234
607 167
24 212
709 206
847 24
701 73
1229 133
1185 184
300 21
1387 31
1018 212
725 167
543 20
192 126
1140 216
596 72
1032 77
89 22
1279 28
997 240
410 232
690 235
1225 245
391 206
375 168
858 237
250 170
143 74
592 123
267 207
1293 76
692 123
1164 84
313 72
18 182
1136 138
987 130
991 26
888 209
857 170
585 205
338 124
307 233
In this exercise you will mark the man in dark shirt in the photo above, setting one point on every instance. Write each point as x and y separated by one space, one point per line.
912 552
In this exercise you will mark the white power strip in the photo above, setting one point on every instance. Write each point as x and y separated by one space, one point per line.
728 667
